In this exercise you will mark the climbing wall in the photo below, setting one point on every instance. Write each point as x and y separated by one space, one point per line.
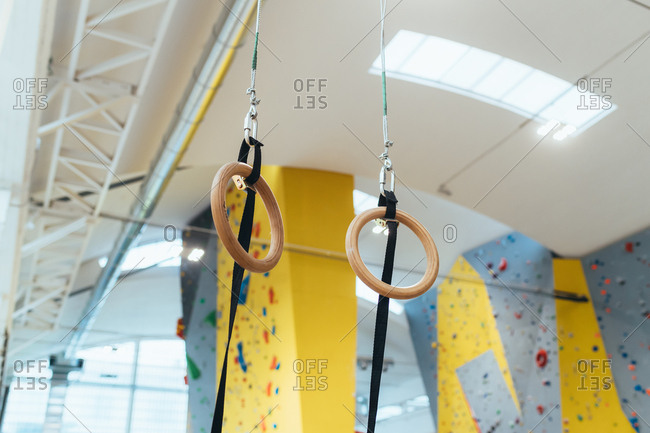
619 284
290 369
481 377
496 297
518 274
198 325
258 362
567 352
466 330
589 397
422 316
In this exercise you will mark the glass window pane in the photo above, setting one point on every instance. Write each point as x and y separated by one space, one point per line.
162 364
26 404
109 364
98 408
159 412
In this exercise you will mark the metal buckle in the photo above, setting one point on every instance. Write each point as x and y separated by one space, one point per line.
240 183
383 222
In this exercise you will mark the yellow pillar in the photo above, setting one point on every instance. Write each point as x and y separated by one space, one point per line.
466 329
293 353
589 398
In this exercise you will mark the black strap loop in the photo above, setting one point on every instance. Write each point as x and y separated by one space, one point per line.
244 238
257 162
381 324
389 200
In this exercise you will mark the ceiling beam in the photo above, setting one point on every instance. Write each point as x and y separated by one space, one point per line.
124 9
52 236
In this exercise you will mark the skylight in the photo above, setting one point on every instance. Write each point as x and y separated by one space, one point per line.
491 78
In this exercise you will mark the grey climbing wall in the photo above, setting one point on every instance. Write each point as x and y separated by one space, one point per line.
199 296
619 284
421 316
518 274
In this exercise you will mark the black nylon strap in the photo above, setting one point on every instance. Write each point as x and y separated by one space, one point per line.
244 238
381 323
257 162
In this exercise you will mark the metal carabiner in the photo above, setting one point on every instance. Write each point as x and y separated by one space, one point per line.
382 179
250 125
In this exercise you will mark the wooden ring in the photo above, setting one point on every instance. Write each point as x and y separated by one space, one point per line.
352 250
220 217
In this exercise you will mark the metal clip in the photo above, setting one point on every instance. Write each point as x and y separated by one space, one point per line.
250 121
250 125
382 178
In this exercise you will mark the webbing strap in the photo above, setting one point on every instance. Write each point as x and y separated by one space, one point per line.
381 323
244 238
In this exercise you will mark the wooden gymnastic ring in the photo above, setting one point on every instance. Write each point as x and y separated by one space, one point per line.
219 215
352 250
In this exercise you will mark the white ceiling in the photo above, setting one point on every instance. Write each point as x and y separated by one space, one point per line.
573 196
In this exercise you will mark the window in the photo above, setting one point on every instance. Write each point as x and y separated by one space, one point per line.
132 387
491 78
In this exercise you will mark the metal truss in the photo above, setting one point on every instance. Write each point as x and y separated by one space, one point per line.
93 96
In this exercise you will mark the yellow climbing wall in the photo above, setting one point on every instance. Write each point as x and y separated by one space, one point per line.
589 398
466 329
290 369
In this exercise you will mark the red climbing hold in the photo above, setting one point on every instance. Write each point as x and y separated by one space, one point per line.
629 247
503 264
542 358
180 329
540 409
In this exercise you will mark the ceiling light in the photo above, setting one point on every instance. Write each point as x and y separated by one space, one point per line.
548 127
564 132
569 129
494 79
377 229
559 136
102 262
389 411
195 255
419 401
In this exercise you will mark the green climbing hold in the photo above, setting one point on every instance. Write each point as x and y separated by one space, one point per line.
192 369
211 318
